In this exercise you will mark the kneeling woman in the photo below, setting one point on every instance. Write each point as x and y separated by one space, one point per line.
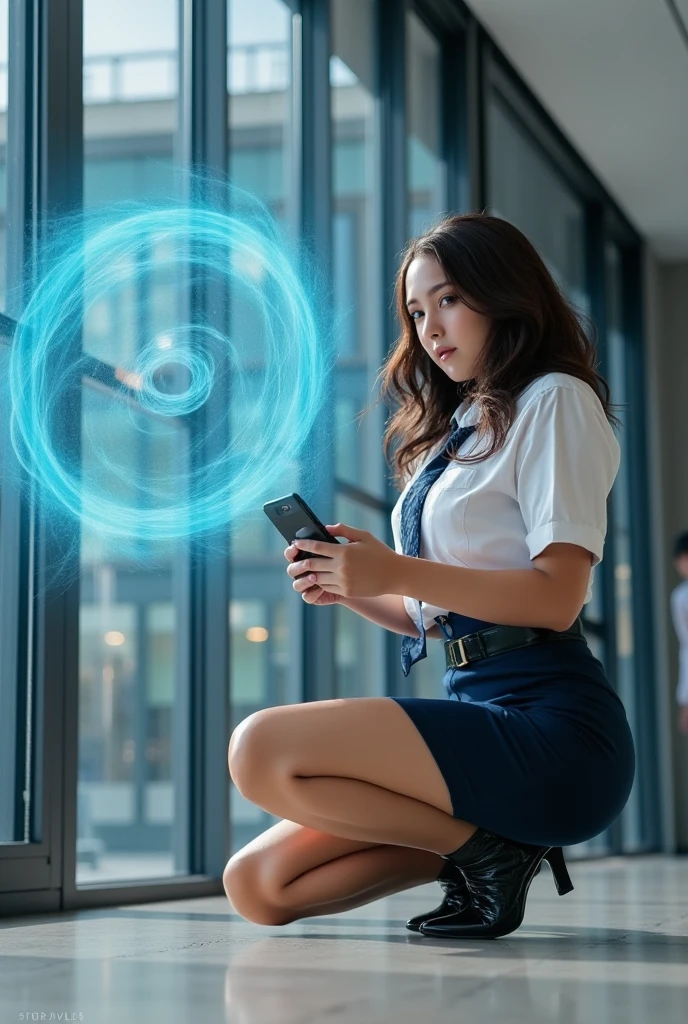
497 530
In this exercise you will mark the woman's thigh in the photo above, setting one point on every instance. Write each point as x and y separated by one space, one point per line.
370 739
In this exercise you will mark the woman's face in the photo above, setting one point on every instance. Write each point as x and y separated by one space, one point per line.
443 320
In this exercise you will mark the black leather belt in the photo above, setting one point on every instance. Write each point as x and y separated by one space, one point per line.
463 650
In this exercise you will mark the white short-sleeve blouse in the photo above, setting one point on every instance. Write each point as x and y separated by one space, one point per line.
679 616
549 483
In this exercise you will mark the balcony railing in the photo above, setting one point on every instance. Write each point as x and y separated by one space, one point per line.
153 74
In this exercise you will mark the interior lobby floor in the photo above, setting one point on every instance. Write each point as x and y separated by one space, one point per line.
613 950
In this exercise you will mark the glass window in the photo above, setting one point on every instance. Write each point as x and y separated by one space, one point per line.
12 783
359 644
132 671
259 99
356 244
427 190
525 189
132 668
4 54
620 507
426 167
360 669
16 703
131 115
264 612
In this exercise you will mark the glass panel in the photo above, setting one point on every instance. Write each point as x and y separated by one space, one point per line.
15 700
14 718
355 244
132 791
259 99
133 678
131 115
426 167
360 669
524 189
8 787
264 668
620 528
4 53
265 612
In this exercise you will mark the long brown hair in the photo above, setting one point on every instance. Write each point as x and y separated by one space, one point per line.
534 330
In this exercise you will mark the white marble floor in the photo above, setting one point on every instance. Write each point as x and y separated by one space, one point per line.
614 950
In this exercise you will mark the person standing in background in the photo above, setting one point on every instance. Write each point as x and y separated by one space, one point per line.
679 616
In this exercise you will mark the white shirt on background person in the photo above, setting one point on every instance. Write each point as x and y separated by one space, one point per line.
549 483
679 617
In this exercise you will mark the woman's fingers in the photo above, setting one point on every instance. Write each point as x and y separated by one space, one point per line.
303 584
309 590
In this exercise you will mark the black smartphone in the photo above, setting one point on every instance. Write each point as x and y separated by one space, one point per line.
294 519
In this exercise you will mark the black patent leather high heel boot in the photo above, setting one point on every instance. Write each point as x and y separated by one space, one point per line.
457 899
498 873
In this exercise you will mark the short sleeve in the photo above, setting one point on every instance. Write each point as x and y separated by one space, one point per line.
679 612
566 461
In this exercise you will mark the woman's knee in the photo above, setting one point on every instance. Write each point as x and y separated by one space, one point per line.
249 753
243 888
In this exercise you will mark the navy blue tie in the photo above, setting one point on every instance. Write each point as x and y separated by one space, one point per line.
413 648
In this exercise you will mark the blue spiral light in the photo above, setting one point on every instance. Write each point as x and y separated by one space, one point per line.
276 364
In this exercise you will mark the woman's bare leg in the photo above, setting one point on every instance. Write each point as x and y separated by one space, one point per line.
355 768
292 871
366 810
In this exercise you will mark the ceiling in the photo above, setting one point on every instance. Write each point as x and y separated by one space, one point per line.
613 74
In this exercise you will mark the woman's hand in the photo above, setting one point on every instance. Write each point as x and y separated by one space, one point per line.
361 568
310 592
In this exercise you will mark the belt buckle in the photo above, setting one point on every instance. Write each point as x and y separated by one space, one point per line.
462 649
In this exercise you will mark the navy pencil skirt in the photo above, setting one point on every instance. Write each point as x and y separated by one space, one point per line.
533 744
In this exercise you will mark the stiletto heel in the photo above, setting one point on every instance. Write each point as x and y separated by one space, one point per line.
562 879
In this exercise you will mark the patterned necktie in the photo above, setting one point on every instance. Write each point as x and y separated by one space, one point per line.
413 648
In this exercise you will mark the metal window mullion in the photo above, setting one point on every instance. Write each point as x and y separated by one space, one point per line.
477 114
16 705
59 181
390 56
312 163
203 148
455 145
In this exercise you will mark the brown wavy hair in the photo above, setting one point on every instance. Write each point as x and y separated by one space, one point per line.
534 330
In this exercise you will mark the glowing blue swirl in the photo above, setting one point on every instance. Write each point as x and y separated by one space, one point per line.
201 371
276 366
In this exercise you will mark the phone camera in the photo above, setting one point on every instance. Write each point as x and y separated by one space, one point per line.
284 508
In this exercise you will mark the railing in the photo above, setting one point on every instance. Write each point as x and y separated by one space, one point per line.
153 74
